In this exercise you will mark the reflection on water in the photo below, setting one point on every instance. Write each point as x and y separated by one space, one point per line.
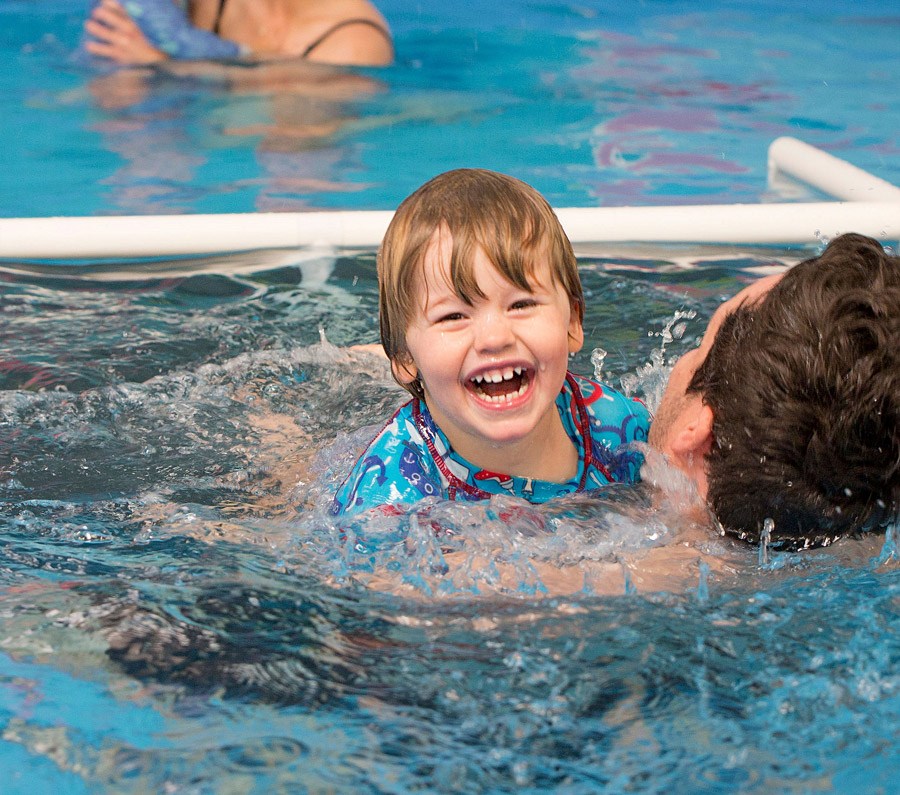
649 103
162 122
180 613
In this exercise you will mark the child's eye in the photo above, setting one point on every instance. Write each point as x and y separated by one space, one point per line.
524 303
450 317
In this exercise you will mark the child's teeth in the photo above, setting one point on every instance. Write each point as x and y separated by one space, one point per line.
498 376
508 398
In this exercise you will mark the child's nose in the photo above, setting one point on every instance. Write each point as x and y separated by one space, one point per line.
493 333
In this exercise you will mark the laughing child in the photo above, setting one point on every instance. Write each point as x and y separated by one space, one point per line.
480 308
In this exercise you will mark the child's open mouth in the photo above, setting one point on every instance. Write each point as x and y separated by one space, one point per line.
500 386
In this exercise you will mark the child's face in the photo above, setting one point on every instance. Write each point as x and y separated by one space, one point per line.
491 371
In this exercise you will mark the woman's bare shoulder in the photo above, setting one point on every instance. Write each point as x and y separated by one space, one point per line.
350 32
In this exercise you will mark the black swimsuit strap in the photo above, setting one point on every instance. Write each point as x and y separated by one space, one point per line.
334 28
219 16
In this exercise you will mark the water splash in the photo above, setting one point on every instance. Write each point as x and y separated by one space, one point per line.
675 328
577 544
598 356
765 538
703 582
651 377
891 548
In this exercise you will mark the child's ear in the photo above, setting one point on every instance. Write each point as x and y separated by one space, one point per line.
404 368
576 333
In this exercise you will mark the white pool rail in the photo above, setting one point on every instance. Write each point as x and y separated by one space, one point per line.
869 206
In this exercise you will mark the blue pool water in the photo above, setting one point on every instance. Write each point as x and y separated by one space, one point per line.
177 613
594 103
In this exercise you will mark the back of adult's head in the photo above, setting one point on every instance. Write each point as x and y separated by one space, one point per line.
805 391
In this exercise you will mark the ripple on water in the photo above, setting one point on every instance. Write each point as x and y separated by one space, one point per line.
166 550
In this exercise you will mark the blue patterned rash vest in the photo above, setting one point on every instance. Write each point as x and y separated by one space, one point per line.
411 459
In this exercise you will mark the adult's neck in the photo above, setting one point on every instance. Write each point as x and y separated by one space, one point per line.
257 24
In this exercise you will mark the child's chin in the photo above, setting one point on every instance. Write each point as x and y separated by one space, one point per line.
504 436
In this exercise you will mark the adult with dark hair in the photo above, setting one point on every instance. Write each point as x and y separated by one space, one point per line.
348 32
789 410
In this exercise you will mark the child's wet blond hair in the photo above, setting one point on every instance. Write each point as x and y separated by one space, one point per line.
511 222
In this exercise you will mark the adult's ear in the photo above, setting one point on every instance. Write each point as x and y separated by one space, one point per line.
691 439
693 433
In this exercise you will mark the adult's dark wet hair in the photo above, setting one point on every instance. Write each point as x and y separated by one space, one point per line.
805 390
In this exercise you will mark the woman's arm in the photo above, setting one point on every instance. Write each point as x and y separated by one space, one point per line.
149 31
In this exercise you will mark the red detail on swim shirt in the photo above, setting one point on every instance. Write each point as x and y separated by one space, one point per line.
504 481
387 509
595 395
454 483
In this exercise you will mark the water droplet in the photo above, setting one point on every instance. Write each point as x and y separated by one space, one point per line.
891 547
765 538
703 584
598 356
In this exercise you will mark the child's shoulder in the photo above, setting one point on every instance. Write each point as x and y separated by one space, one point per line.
609 408
598 396
394 468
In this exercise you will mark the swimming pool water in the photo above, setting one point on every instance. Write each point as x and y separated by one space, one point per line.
594 103
177 613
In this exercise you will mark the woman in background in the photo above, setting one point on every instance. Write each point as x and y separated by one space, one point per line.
348 32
